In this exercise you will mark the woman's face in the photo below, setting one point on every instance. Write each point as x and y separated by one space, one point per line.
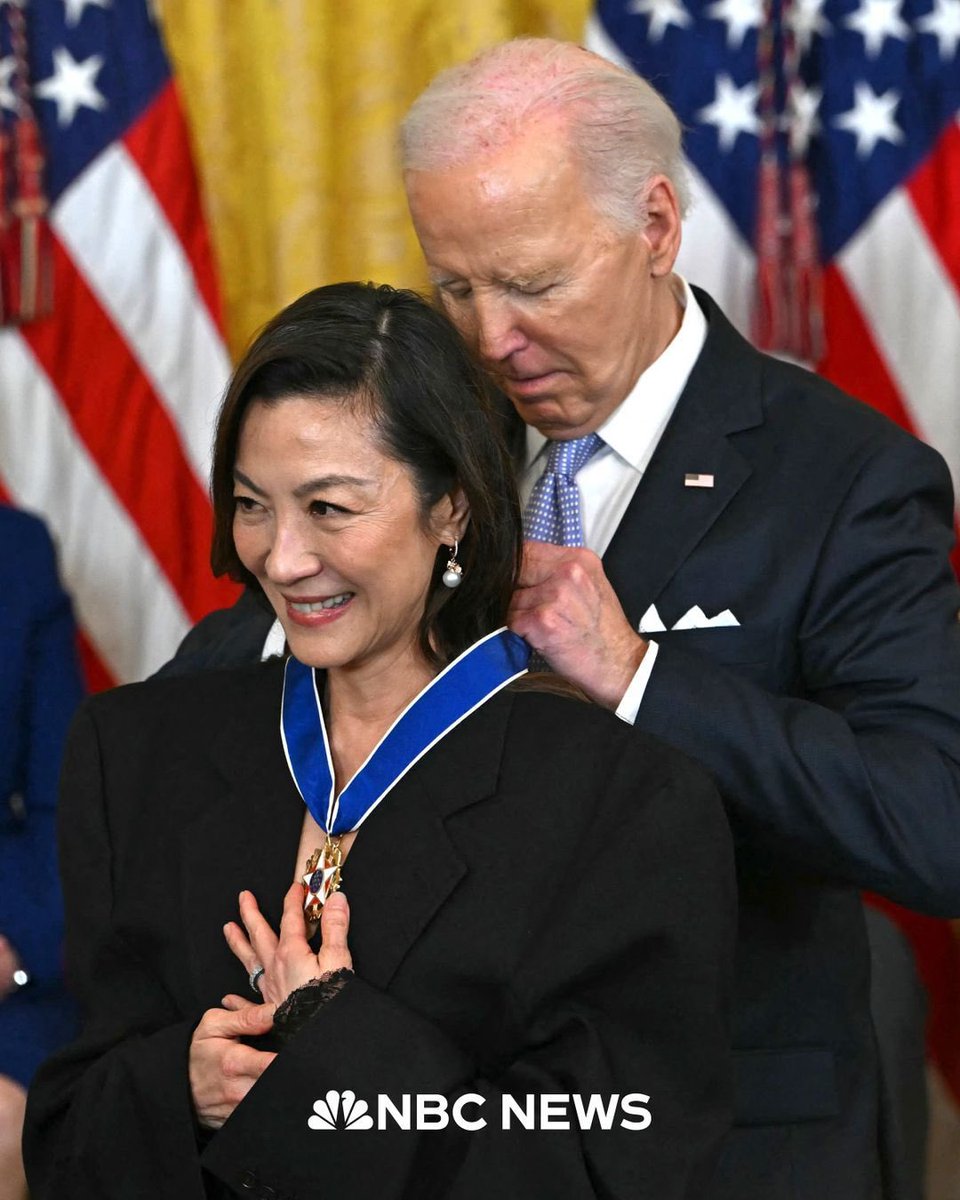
332 530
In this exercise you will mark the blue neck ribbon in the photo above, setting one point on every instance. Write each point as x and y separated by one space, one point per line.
479 673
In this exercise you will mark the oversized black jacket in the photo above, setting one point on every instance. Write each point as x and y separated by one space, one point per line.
544 904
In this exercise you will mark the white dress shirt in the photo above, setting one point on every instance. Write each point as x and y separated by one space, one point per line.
275 645
630 436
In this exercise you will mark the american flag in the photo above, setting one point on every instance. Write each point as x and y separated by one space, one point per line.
107 404
873 106
859 101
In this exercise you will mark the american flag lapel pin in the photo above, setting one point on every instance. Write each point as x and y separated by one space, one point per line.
695 479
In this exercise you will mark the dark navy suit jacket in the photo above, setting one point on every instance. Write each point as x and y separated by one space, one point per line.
40 686
830 718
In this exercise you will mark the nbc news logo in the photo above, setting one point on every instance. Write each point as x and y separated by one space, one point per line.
340 1110
430 1110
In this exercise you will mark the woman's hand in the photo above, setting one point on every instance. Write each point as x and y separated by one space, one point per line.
288 961
222 1068
9 963
334 954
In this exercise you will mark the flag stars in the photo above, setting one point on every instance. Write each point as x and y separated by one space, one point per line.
878 20
72 85
944 24
661 14
807 21
871 119
733 111
76 8
740 16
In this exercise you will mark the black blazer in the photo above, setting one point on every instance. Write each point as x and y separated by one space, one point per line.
543 904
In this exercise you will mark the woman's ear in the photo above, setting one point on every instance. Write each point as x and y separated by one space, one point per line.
451 516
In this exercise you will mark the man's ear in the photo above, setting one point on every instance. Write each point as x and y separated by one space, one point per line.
451 516
662 230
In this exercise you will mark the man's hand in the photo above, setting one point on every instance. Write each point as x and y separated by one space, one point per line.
568 612
222 1068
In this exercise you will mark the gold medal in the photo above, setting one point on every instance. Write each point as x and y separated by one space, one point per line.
322 877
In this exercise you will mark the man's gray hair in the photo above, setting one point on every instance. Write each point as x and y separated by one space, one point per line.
621 129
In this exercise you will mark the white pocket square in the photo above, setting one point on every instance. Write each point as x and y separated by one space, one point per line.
650 621
694 618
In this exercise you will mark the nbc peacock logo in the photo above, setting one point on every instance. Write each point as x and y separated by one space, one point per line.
340 1110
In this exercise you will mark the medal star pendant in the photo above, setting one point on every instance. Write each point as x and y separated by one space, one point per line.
322 877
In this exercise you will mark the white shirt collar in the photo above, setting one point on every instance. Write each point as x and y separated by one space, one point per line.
634 428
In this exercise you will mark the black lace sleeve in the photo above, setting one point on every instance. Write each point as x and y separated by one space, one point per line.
306 1001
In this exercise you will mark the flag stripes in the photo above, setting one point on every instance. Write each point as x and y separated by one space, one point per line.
127 606
94 672
853 362
159 144
934 190
899 284
107 407
116 413
166 325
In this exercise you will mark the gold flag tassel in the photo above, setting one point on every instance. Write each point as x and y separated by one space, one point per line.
27 247
788 316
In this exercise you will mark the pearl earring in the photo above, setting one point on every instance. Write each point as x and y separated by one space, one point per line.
453 575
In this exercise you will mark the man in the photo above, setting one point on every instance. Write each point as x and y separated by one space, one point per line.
547 191
751 565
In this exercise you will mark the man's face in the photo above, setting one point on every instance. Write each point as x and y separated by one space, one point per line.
564 310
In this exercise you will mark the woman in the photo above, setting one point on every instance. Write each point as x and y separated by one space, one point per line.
40 688
536 901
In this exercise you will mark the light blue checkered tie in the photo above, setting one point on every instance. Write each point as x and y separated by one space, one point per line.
553 510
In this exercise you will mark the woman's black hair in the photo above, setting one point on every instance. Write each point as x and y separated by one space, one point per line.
402 361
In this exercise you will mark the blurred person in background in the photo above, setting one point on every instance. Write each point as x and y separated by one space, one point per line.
40 686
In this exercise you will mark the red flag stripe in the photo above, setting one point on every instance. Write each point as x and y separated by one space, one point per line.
124 600
130 435
149 295
934 190
852 360
159 143
854 363
95 671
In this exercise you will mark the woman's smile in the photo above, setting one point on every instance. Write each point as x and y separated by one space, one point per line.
312 613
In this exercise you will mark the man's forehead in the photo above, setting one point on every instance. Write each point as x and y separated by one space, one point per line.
523 175
530 151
